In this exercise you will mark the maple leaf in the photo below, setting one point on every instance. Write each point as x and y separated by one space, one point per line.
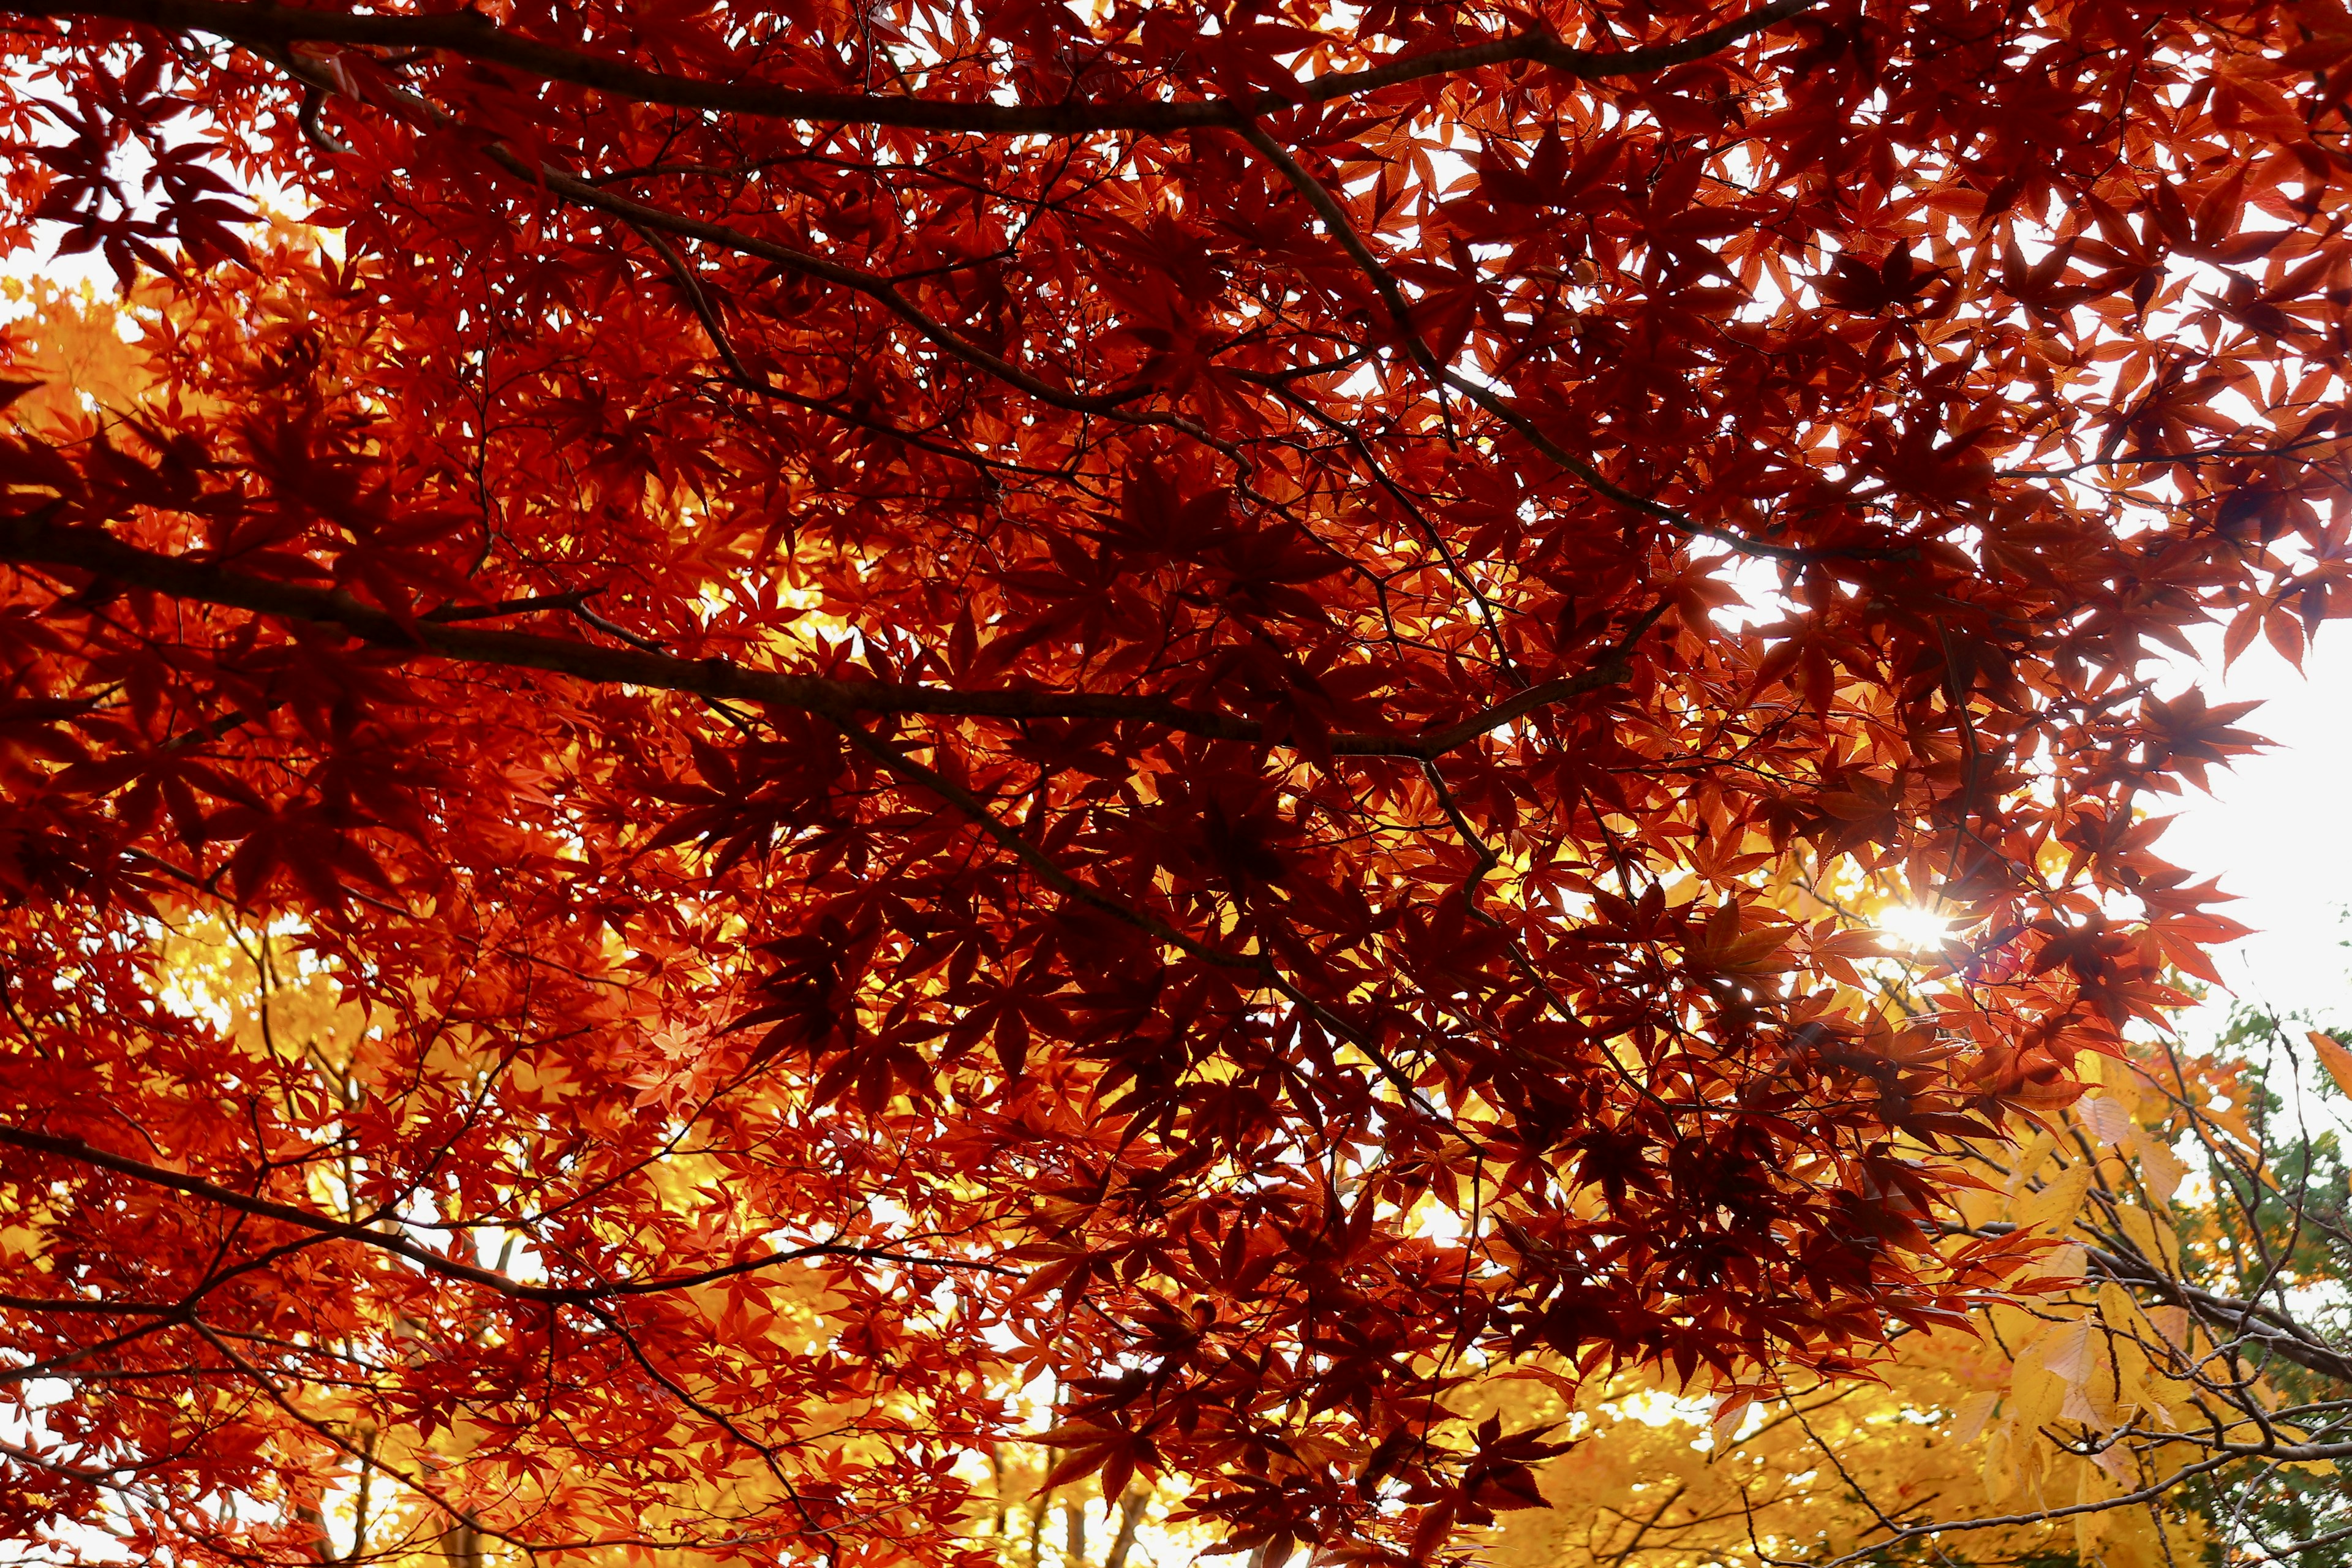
1200 711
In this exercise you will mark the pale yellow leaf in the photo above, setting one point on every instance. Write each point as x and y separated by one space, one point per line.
2155 1239
2334 1058
2109 1119
2035 1395
2030 1159
2134 1390
1728 1413
1974 1411
2057 1204
2067 1352
2001 1477
2161 1168
2077 1407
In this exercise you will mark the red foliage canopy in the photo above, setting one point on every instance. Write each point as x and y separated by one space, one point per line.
1051 671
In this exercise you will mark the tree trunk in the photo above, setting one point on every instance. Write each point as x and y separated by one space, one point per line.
1130 1514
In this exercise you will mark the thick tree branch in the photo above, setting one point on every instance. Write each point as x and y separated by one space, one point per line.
31 541
2235 1318
474 36
2242 1320
647 219
2222 1455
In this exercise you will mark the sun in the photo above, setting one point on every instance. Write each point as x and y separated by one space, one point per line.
1917 928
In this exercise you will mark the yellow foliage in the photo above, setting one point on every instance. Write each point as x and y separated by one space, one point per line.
268 1003
72 342
1953 1430
94 356
2030 1414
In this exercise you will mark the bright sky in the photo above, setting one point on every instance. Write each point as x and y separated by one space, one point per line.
2277 831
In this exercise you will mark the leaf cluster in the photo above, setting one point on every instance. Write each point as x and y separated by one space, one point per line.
1198 705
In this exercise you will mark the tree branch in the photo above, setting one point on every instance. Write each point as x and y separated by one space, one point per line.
1336 224
32 540
475 36
433 1262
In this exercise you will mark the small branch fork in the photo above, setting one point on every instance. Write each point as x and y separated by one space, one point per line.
258 1377
1442 377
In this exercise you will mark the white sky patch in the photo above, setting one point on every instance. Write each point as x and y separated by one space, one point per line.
2277 827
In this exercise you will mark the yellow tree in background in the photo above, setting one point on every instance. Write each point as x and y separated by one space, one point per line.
2171 1390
